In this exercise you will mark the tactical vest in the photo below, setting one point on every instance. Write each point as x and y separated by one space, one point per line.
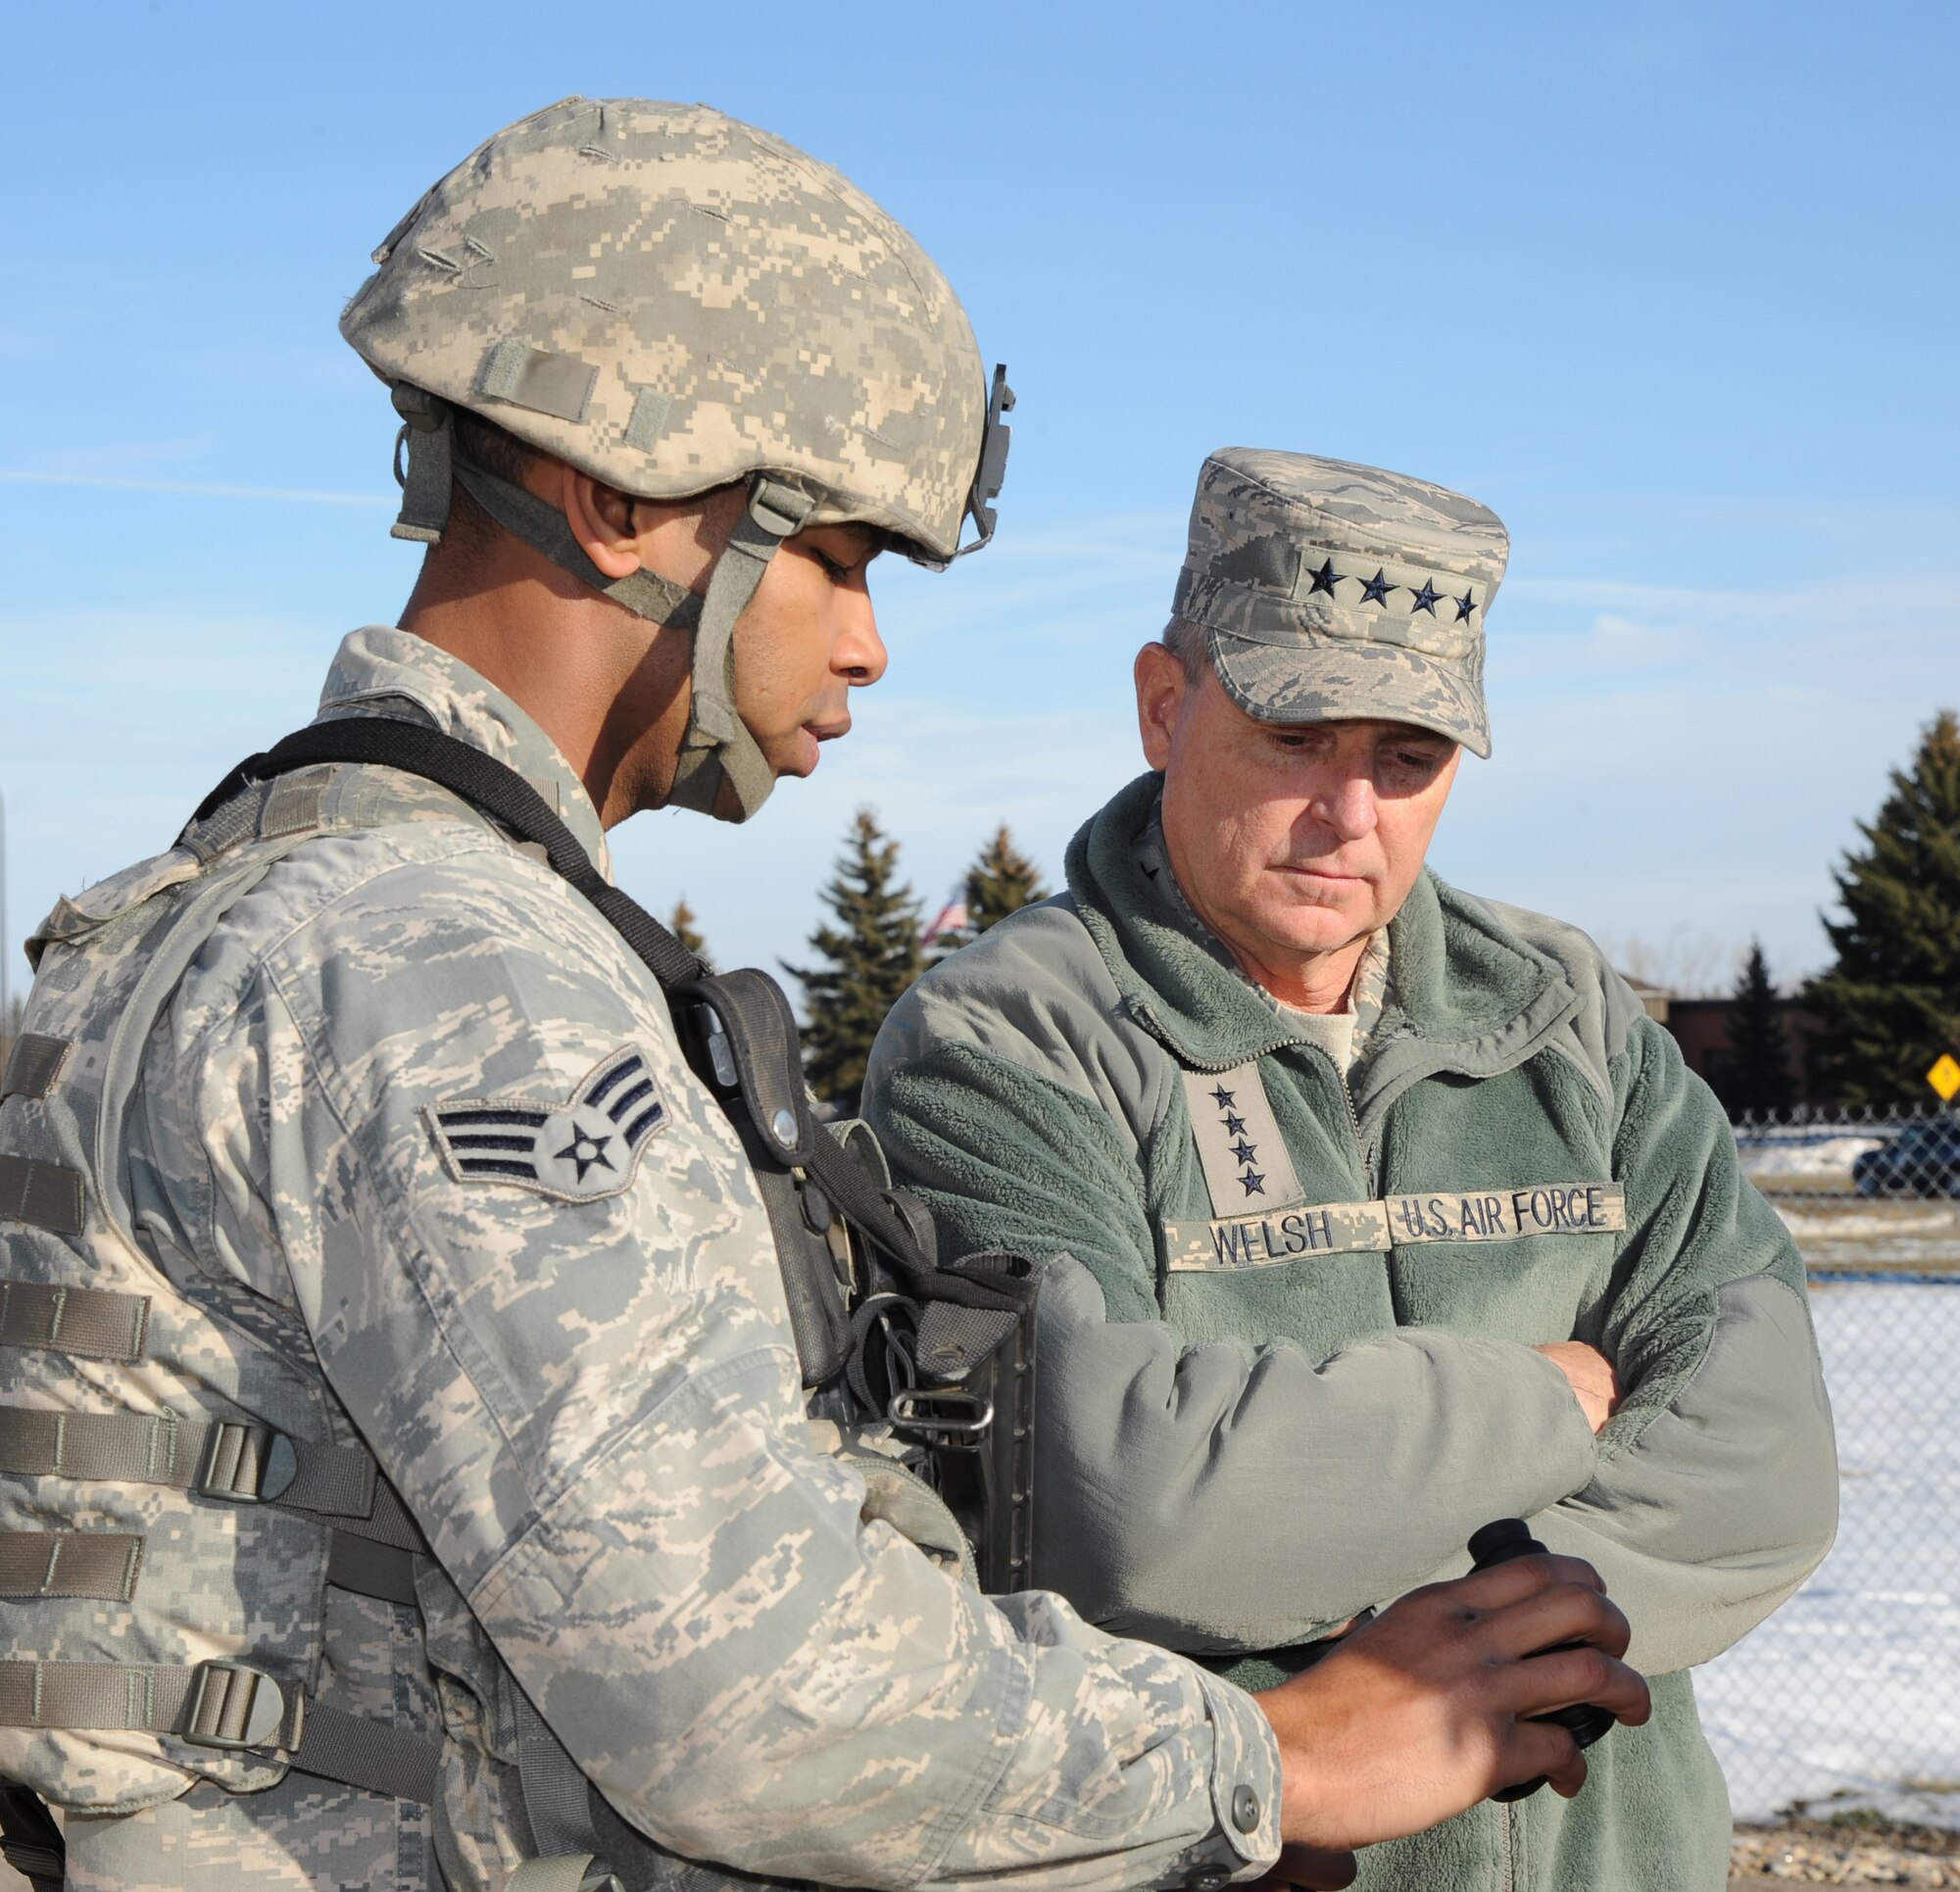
177 1488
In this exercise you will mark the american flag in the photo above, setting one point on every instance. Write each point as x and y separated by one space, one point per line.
951 918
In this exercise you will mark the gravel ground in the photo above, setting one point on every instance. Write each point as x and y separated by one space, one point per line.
1849 1849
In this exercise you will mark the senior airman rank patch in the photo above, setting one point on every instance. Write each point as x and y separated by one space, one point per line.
582 1150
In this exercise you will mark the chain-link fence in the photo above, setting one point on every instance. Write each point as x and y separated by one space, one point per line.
1853 1689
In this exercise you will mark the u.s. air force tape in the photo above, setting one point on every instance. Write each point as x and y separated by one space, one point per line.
1370 1228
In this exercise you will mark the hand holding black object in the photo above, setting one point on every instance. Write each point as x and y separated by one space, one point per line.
1497 1543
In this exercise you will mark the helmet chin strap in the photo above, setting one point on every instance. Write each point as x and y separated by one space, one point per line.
716 745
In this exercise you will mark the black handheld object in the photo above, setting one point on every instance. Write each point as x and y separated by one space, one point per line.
1497 1543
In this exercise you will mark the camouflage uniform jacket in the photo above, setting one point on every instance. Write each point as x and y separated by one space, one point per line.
376 1137
1291 1309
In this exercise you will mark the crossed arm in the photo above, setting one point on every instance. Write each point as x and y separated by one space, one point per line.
1337 1484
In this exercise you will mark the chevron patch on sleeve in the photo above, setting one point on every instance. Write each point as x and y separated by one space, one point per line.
582 1150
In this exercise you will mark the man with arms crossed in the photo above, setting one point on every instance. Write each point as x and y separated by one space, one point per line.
1369 1211
405 1480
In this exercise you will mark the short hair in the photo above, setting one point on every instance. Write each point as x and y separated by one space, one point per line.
1190 645
496 451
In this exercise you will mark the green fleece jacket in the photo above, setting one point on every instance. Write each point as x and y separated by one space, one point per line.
1275 1388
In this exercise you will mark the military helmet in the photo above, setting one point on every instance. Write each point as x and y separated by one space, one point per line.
672 301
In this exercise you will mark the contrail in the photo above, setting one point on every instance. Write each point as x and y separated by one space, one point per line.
194 488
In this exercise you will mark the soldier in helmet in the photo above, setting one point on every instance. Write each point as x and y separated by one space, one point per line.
1370 1210
425 1451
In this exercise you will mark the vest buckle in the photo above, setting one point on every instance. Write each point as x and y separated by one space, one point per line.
232 1706
246 1464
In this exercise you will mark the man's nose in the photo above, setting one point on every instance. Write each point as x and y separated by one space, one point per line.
860 656
1348 805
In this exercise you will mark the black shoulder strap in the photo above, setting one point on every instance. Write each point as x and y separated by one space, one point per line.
501 792
507 798
29 1840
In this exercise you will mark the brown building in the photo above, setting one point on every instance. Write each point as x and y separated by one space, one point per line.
1700 1027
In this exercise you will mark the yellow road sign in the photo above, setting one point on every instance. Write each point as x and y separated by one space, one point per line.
1945 1077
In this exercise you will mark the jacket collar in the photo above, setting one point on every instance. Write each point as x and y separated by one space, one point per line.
383 671
1467 994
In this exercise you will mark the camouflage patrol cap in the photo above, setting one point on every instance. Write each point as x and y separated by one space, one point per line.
672 301
1329 591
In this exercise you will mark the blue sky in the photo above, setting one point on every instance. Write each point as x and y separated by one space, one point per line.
1671 288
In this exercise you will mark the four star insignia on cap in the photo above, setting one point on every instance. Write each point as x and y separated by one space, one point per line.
582 1150
1375 590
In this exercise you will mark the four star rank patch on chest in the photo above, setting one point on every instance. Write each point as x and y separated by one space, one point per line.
582 1150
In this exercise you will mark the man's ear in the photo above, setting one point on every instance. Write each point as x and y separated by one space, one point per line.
601 519
1160 687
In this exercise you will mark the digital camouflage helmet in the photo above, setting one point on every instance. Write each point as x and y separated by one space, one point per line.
672 301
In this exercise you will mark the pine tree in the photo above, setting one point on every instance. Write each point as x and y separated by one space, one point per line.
680 923
1002 881
1891 1004
1759 1076
866 961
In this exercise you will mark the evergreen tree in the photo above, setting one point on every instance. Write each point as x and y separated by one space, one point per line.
1758 1076
680 923
1891 1004
1002 881
865 961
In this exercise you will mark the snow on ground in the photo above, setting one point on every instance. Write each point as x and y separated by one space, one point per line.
1853 1686
1856 1232
1802 1152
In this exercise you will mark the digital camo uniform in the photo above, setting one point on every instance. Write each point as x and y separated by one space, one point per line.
410 1156
347 1127
1296 1265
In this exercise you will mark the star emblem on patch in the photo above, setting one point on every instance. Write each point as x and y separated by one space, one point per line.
581 1151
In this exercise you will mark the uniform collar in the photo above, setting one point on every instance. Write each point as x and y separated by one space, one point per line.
1465 992
383 671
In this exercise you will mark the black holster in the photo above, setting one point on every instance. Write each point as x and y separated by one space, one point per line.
944 1353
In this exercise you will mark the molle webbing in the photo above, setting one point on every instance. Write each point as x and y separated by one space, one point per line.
221 1705
100 1564
375 1543
221 1459
89 1323
43 1195
32 1067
